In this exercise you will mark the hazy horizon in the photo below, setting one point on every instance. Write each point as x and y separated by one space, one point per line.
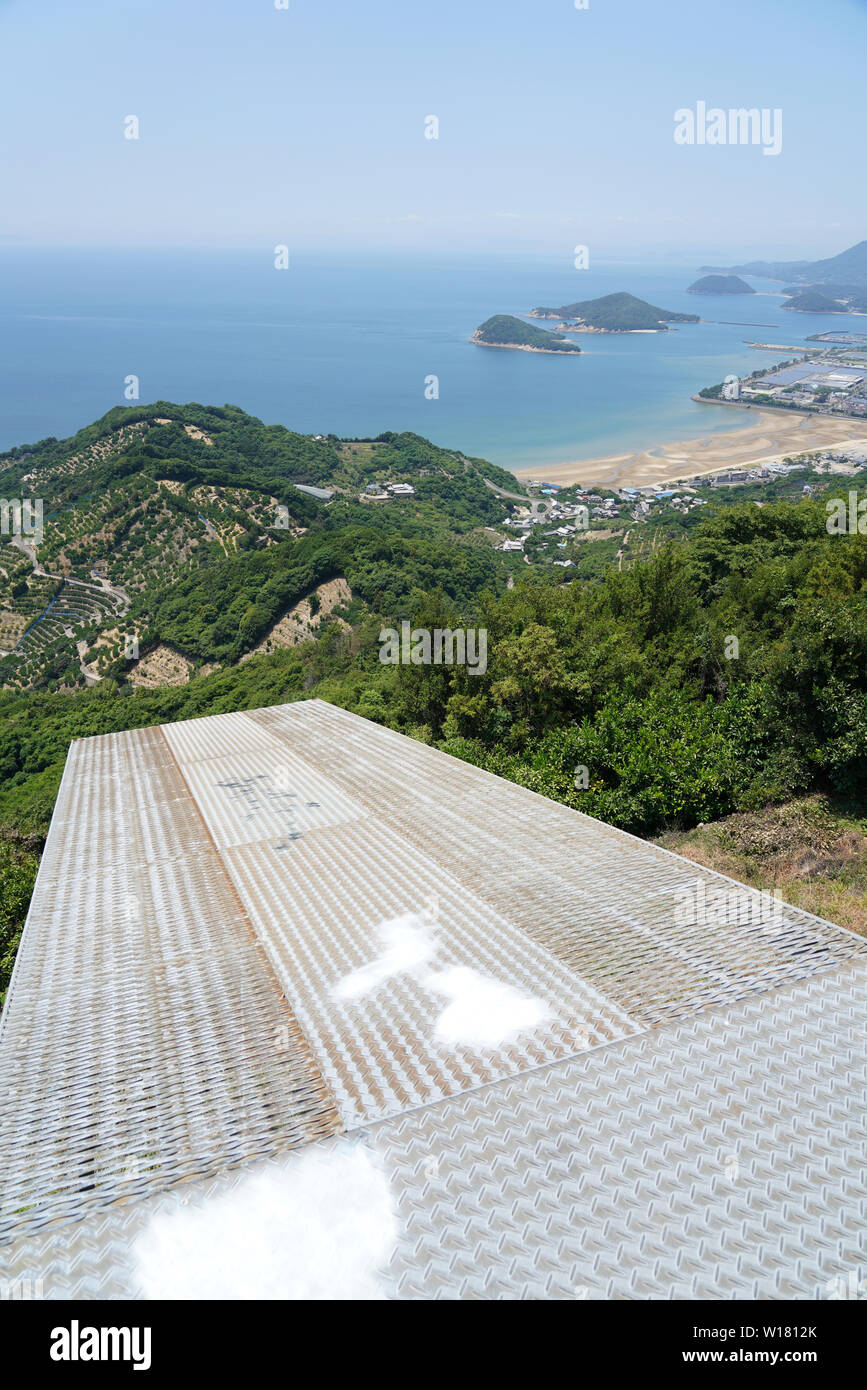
306 127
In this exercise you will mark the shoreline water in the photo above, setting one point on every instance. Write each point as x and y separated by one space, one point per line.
348 348
775 435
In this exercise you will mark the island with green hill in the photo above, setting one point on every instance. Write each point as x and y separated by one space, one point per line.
504 331
613 313
721 284
814 302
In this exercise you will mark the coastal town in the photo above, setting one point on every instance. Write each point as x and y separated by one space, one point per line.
558 520
826 380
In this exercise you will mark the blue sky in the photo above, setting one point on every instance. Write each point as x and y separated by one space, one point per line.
306 126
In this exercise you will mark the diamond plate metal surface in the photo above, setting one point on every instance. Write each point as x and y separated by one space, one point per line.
602 901
319 874
243 939
380 1053
722 1158
718 1159
145 1039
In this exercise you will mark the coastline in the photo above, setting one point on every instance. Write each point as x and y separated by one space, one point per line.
775 435
777 409
527 347
589 328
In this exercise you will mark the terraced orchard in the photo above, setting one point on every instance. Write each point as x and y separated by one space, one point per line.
74 606
43 618
209 536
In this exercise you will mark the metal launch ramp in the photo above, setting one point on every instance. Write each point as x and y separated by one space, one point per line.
305 1008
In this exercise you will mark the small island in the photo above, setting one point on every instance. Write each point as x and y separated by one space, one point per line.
614 313
721 284
813 302
504 331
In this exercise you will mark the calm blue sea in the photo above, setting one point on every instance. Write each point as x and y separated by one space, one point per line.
343 344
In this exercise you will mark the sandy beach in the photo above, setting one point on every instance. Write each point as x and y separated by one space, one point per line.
769 437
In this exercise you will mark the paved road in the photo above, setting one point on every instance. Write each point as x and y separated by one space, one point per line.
90 676
103 587
536 504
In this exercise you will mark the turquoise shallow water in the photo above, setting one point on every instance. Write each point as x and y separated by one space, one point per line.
344 345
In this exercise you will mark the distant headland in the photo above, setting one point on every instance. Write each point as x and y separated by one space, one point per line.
721 284
848 268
